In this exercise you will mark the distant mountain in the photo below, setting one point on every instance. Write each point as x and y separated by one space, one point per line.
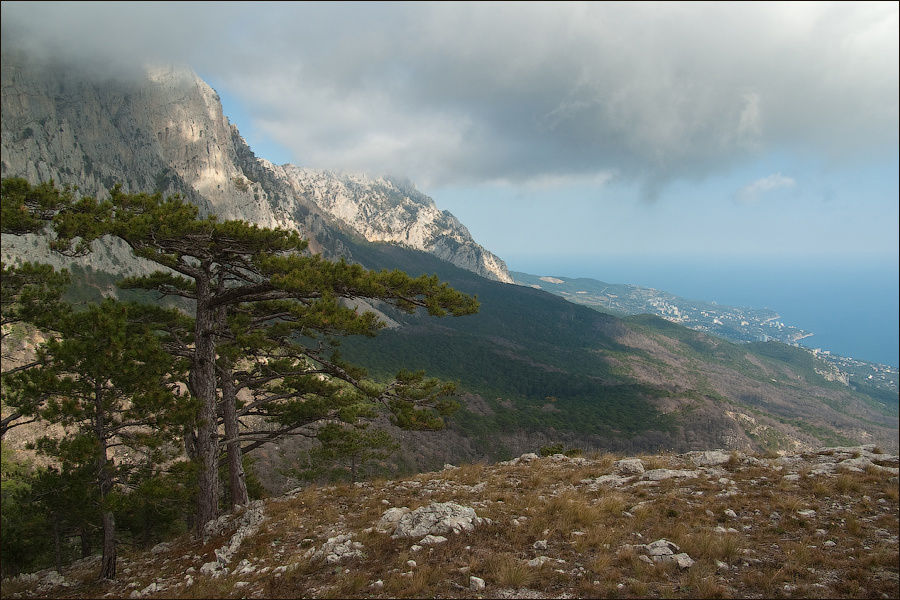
534 369
166 131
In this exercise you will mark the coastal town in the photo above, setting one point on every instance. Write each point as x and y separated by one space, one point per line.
733 323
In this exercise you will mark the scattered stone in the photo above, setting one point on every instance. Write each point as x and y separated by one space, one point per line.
664 543
537 563
160 548
431 540
710 458
730 513
681 559
476 584
540 545
791 477
411 564
660 474
212 569
829 544
336 549
629 466
416 548
377 584
244 568
808 513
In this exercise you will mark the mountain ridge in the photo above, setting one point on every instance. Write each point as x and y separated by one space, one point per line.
167 131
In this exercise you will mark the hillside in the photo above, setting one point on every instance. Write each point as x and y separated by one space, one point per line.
546 371
733 323
534 369
821 524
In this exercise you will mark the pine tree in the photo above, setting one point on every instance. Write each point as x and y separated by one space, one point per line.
344 450
218 266
29 293
109 383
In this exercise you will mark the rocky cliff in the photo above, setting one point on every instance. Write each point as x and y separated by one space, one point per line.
384 209
165 130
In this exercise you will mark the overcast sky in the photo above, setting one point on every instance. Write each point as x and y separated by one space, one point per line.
555 129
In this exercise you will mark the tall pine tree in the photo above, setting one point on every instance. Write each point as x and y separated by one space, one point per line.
218 266
108 382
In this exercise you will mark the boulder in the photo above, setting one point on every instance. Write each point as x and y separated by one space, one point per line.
629 466
710 458
660 474
437 519
390 518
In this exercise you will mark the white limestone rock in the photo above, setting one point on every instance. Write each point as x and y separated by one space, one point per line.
388 521
660 474
710 458
437 519
629 466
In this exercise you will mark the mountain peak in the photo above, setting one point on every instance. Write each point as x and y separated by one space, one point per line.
168 132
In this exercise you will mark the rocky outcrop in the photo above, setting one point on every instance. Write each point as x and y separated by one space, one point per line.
428 522
165 131
385 209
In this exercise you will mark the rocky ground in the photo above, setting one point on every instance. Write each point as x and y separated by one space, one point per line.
704 524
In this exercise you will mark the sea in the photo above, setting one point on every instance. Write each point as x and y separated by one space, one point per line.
851 306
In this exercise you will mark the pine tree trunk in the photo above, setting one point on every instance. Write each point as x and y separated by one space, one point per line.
105 483
203 386
57 549
85 542
236 476
108 564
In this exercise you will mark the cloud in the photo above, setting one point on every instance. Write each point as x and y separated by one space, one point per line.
752 192
472 93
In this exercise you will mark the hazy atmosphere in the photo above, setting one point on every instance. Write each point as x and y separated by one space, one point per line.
663 133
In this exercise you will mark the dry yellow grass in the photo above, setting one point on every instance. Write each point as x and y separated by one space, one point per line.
782 555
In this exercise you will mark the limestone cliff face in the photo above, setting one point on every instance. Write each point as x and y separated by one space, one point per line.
165 130
384 209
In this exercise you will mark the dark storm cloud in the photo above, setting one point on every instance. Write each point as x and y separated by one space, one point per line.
467 93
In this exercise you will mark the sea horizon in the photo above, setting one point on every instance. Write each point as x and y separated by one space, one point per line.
850 306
